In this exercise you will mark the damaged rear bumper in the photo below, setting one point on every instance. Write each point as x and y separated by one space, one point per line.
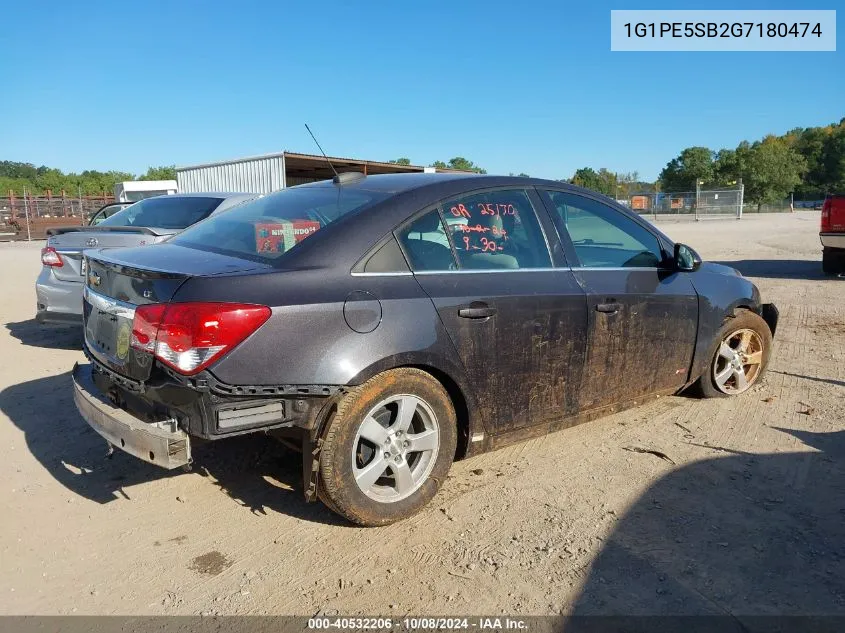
162 444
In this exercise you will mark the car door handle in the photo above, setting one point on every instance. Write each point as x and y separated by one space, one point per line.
477 310
609 308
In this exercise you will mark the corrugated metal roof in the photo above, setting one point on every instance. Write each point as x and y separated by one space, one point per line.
271 172
314 157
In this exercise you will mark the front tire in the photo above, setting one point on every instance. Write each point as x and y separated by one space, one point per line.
738 358
388 447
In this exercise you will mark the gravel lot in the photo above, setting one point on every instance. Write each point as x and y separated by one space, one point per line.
745 516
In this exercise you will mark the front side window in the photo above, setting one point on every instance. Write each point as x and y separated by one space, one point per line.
426 245
496 230
267 228
166 212
602 236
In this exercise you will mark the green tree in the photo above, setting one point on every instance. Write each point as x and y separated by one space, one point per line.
770 169
400 161
163 172
588 178
682 172
459 162
833 162
603 181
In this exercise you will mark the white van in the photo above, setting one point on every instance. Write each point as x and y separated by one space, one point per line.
134 190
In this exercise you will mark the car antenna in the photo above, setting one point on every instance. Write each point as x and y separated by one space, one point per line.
336 175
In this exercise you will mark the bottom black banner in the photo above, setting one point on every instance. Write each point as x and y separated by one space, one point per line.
493 624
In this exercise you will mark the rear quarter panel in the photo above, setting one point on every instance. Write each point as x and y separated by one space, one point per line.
310 339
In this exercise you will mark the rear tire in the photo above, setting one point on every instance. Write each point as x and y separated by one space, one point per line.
738 357
833 261
388 448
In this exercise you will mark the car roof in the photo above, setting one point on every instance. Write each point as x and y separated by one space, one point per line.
396 183
401 183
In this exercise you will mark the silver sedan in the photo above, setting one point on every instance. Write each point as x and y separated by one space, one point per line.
59 286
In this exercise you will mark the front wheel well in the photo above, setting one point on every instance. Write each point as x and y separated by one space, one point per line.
737 311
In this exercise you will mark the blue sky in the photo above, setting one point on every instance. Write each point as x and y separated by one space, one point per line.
513 86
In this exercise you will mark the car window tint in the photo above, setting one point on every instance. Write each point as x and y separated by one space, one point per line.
496 230
602 236
166 212
267 228
426 245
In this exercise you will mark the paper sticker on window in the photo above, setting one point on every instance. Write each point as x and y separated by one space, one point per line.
280 237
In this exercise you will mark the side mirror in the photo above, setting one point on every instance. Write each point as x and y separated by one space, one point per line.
686 259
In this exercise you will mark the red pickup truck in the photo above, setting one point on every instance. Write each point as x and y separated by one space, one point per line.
832 235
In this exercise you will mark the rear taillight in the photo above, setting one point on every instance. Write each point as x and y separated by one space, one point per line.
145 326
826 223
190 336
51 257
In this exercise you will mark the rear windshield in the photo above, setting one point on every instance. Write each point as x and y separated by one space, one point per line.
267 228
166 212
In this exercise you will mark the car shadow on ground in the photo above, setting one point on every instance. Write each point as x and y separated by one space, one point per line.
34 334
827 381
779 268
739 535
256 471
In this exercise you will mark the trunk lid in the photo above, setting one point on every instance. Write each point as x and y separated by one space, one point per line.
118 281
70 242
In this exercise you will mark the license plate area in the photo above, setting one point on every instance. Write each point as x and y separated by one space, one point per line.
108 328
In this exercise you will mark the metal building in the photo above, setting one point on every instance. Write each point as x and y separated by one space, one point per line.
271 172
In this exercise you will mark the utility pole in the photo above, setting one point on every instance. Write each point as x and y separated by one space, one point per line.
697 196
26 213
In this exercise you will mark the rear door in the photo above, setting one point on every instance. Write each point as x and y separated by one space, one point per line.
643 317
517 322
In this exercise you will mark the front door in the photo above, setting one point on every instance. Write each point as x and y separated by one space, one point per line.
643 317
518 324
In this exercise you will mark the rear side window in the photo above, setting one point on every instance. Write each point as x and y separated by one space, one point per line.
496 230
267 228
166 212
426 244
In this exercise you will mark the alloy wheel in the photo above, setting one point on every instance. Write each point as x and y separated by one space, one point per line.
738 362
395 448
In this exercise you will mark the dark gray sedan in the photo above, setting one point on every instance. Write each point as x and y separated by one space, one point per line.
391 324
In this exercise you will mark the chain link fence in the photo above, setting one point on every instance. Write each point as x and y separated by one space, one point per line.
29 217
693 205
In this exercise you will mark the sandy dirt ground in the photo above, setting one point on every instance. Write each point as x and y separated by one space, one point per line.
746 515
